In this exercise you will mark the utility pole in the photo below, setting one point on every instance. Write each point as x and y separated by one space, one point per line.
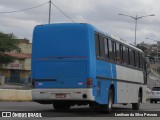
135 42
49 18
136 19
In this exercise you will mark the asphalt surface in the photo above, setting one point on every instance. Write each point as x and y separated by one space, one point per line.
78 112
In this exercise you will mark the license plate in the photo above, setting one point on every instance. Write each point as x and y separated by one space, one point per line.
60 95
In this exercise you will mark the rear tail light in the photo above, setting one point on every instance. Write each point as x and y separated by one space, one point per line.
89 82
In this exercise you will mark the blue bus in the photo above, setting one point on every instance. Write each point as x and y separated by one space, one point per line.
77 64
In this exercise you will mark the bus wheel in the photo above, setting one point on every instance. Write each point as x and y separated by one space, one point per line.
135 106
110 100
60 106
151 101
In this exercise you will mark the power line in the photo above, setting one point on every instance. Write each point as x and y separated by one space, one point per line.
39 6
63 13
24 9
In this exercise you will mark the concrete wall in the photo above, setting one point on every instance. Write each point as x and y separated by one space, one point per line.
25 48
2 80
15 95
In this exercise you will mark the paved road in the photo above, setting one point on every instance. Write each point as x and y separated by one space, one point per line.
77 112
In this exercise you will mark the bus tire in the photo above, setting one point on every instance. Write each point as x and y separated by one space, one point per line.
136 106
58 106
110 100
151 101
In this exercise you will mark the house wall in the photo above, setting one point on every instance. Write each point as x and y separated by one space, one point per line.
20 70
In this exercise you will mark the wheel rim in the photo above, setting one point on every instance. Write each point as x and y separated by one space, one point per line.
110 102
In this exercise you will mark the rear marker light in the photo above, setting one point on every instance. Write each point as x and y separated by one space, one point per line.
40 83
89 82
82 83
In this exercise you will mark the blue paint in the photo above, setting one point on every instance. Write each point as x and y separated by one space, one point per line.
106 70
65 53
61 52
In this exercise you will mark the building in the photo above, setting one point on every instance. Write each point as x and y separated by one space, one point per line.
149 49
20 70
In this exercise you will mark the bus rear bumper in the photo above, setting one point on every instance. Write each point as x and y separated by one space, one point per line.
62 94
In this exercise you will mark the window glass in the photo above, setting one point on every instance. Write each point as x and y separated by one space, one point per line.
145 65
131 57
114 50
121 53
137 59
106 47
141 62
135 55
124 54
134 58
110 49
101 46
118 52
127 56
97 45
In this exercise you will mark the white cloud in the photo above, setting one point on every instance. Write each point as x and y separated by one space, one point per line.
101 13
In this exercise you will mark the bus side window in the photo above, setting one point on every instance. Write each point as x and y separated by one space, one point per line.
139 66
141 61
127 56
97 45
124 55
102 54
145 65
121 54
137 59
131 57
134 58
106 47
114 50
110 49
118 53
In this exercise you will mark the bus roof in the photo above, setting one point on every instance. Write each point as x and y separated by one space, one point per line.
100 31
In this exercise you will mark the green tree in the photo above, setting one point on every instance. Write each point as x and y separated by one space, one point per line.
144 49
141 47
8 43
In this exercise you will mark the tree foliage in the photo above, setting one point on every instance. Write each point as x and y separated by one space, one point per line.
8 43
142 48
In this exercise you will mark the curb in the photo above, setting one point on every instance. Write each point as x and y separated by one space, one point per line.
15 95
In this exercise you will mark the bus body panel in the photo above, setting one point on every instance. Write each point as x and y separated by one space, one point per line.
64 57
60 74
74 94
60 59
128 83
105 77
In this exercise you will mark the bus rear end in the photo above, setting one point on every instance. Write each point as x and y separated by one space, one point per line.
60 65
